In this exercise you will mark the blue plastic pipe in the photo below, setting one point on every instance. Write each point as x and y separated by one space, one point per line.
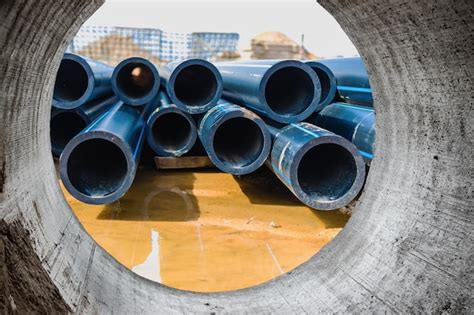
355 123
80 80
323 170
136 81
65 124
170 131
236 140
352 80
98 165
285 91
194 85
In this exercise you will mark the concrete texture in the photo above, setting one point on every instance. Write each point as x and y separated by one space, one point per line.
407 248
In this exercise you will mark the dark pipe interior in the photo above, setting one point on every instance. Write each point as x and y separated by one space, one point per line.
238 141
325 83
71 81
195 85
64 127
172 131
97 167
135 80
289 91
326 172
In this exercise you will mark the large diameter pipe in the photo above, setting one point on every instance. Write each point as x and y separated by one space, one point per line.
79 80
327 81
194 85
65 124
323 170
352 80
237 141
170 131
355 123
98 165
285 91
136 81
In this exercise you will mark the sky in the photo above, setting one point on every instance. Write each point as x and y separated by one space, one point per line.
323 35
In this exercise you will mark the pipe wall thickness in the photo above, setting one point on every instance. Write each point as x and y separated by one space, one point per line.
236 140
136 81
170 131
323 170
79 80
355 123
65 124
327 81
285 91
194 85
352 80
98 165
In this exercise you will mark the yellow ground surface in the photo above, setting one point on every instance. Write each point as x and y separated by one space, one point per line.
208 231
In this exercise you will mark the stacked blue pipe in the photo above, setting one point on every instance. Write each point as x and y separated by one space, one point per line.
98 166
80 80
285 91
194 85
236 140
65 124
170 131
323 170
355 123
352 80
136 81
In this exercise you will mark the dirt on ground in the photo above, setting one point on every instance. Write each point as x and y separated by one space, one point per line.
25 288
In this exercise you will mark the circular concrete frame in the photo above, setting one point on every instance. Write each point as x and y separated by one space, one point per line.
407 248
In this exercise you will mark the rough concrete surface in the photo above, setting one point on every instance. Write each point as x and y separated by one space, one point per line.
407 248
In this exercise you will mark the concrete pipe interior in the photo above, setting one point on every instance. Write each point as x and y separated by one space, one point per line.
97 167
407 248
172 131
289 91
324 183
69 88
195 85
135 80
65 126
238 142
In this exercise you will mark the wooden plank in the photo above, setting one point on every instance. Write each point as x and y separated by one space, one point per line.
182 162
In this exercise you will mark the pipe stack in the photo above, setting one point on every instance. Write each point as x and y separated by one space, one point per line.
235 110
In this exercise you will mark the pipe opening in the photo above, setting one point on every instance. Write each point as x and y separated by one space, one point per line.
64 127
71 81
325 83
135 80
97 167
238 141
326 172
289 91
195 85
172 131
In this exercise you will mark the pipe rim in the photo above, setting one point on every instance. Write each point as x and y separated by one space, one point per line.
158 149
309 109
222 165
195 109
351 193
90 84
136 101
92 135
331 94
